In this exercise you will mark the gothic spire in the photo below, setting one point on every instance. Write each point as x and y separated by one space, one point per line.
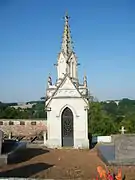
67 46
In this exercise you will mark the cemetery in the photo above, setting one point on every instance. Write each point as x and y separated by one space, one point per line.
68 148
44 163
111 154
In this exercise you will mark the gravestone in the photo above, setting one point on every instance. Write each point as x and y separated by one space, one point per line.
1 140
3 158
9 149
120 152
125 147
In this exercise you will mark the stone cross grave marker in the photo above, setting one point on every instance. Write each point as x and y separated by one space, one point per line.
122 130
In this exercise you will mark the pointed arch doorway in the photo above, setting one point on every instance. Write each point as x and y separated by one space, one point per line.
67 128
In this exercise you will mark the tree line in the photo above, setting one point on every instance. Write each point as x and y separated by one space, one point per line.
104 118
35 112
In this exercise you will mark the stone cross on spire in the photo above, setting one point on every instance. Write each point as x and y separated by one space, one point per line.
67 46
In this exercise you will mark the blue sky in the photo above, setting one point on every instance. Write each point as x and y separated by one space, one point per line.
30 37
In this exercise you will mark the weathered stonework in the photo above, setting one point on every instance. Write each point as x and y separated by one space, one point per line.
22 130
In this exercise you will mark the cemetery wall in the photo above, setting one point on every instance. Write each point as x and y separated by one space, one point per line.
22 127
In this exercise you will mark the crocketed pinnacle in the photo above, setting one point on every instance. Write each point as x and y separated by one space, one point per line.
67 44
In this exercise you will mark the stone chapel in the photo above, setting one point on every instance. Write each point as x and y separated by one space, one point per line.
67 100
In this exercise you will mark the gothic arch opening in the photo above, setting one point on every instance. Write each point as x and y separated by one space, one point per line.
67 128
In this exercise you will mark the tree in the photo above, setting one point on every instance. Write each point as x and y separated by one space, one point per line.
129 123
111 108
37 111
100 123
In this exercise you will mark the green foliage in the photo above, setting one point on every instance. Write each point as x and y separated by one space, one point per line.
100 121
36 112
106 118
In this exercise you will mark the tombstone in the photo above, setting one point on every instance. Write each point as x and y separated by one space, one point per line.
125 147
1 140
9 149
120 152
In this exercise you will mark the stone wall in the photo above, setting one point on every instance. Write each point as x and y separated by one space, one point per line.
22 127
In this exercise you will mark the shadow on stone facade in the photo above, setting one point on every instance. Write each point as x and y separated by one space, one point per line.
25 171
27 154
